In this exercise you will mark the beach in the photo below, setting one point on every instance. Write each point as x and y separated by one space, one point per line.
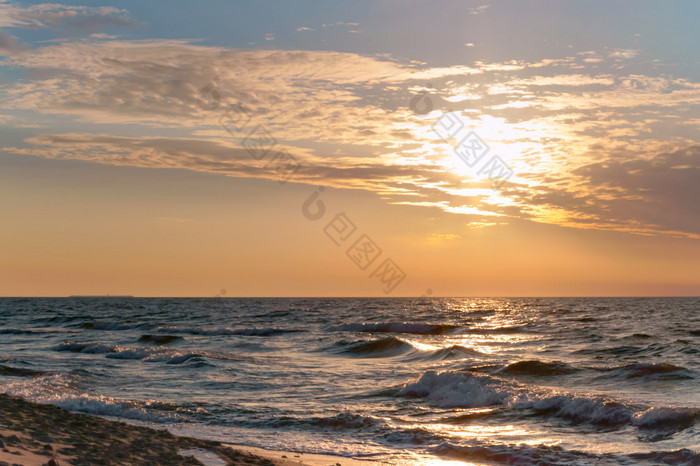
34 434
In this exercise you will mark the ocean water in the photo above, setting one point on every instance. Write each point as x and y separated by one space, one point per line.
400 381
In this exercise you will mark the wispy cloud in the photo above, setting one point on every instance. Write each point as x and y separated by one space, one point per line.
53 15
340 23
478 9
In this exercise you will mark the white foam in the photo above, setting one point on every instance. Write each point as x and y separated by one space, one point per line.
59 390
166 355
452 389
152 355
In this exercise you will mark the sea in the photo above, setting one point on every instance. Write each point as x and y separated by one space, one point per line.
388 380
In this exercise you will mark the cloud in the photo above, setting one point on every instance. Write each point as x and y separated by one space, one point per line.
564 80
340 23
478 10
653 196
8 43
647 194
159 83
224 157
346 117
50 15
624 53
4 119
660 192
102 35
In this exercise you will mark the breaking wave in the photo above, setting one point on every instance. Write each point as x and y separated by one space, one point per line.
385 347
460 389
168 356
393 346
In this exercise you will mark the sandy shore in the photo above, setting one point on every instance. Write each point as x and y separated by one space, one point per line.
33 434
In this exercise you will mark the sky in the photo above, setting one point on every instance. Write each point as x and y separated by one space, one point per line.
350 148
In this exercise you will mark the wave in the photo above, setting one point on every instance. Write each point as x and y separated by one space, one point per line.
538 368
16 331
168 356
344 421
19 372
660 423
651 350
453 389
641 336
385 347
642 371
649 371
254 331
462 389
497 330
487 368
480 414
451 352
114 326
20 331
413 436
159 339
415 328
87 348
624 350
519 454
546 455
57 390
359 424
682 457
265 331
393 346
107 406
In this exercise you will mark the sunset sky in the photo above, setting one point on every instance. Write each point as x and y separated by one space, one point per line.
126 164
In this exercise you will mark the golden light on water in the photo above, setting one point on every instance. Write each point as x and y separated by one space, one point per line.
488 344
480 431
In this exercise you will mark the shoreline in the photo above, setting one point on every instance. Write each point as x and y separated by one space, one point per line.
37 434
